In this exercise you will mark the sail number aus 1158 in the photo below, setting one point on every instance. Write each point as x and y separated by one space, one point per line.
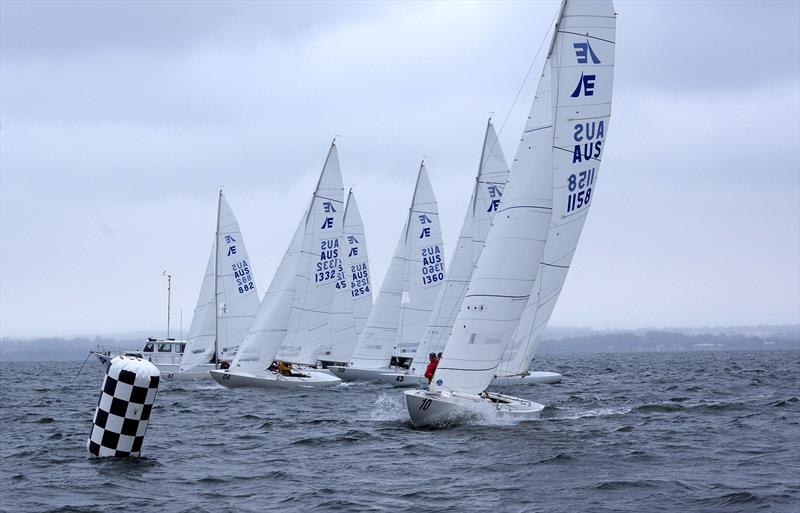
580 188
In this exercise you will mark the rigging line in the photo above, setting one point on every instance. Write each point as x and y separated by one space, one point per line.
527 74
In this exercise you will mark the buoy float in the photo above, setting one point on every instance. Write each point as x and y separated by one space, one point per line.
123 411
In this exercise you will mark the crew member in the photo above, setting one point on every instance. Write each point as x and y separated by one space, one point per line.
285 368
434 361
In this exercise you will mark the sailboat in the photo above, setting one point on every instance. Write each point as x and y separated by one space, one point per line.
352 300
407 294
227 302
553 176
292 322
487 193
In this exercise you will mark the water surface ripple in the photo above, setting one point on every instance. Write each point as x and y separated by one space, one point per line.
623 432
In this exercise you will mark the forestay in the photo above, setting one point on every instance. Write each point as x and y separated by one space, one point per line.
236 300
484 202
584 61
425 272
317 268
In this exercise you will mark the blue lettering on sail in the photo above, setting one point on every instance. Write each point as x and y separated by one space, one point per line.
352 239
329 262
231 250
432 265
585 83
229 239
353 251
328 206
579 186
359 279
244 279
424 219
426 232
328 223
583 51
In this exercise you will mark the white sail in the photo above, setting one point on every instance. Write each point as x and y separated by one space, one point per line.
484 202
200 340
375 343
425 271
352 300
357 268
236 300
317 268
268 330
585 66
506 269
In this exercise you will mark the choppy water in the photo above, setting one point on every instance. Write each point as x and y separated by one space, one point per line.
623 432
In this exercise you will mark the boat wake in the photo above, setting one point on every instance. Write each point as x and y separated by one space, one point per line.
389 408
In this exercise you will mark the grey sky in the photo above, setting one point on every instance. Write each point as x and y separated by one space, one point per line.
120 121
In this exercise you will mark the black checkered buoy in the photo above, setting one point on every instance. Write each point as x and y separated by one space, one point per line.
123 411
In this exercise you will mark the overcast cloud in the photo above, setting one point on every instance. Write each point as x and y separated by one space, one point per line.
120 121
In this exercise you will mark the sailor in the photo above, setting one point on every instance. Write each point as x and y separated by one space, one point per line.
285 368
434 361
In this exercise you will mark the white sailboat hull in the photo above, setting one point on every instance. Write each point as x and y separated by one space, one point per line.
357 374
532 378
442 409
268 379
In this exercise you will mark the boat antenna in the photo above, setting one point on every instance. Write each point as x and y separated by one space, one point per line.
169 298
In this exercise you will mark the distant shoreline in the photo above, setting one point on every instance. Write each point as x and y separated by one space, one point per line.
557 341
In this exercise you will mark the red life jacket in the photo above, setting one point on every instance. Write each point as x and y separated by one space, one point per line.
431 369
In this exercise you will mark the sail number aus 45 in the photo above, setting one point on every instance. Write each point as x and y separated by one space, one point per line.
580 189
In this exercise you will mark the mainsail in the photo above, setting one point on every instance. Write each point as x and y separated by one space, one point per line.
484 202
555 144
425 272
586 58
317 268
228 299
409 289
352 300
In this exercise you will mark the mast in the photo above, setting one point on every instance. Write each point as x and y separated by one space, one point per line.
216 274
169 290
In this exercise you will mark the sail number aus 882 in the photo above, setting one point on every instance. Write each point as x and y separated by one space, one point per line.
580 187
